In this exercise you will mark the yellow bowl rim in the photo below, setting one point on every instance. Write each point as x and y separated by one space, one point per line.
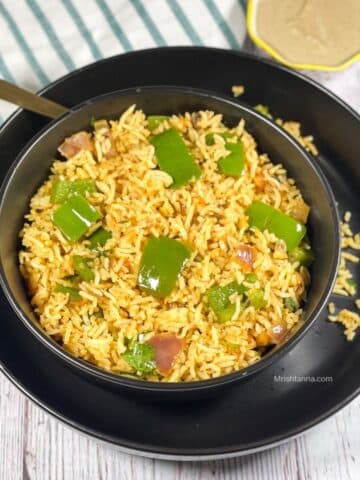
250 21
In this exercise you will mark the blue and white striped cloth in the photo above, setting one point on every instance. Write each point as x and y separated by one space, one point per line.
41 40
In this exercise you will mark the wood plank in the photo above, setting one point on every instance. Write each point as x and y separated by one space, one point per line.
35 446
13 407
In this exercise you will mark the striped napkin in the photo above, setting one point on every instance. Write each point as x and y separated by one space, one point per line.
41 40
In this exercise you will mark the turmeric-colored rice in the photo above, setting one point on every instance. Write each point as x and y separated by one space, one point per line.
344 285
135 201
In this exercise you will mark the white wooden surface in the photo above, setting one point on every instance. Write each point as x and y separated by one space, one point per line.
37 447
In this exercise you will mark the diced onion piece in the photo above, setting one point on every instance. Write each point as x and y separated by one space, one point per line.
167 346
246 256
74 144
278 332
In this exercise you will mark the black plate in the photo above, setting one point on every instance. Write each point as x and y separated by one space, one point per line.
260 412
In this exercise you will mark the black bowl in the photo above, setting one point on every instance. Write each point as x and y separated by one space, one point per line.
32 166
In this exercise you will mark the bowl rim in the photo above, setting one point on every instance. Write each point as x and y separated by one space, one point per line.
194 385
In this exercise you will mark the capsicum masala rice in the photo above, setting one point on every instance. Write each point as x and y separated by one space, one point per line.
166 248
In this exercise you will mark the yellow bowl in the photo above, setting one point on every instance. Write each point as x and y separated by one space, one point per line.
251 26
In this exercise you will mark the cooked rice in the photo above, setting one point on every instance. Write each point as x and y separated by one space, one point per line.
209 214
347 217
344 284
292 127
331 308
350 320
238 90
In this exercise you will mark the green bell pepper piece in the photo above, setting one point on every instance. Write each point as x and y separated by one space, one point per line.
82 268
155 120
264 217
218 298
232 345
161 264
60 191
250 278
352 284
72 278
73 292
226 314
99 238
140 356
256 297
210 137
74 217
174 157
264 110
290 304
234 163
302 255
63 189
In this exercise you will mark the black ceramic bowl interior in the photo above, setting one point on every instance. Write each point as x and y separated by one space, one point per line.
31 169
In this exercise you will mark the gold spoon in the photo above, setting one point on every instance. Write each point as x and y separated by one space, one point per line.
29 101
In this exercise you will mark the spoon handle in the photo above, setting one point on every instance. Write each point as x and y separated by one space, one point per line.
29 101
